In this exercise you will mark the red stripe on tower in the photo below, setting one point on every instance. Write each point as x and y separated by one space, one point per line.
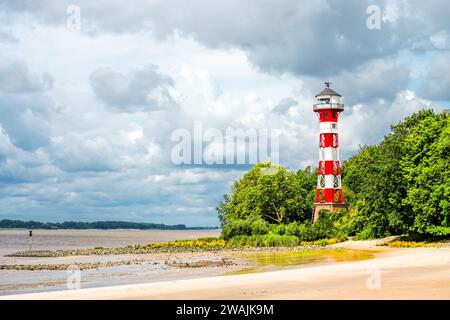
328 140
329 167
329 189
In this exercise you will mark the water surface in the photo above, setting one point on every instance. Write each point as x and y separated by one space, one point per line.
270 261
13 240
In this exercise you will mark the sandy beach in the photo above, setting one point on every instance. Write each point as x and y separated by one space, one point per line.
393 273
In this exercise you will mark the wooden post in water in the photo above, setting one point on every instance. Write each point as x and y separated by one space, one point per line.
30 238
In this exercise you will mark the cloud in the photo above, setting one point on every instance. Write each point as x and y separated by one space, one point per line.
85 130
367 123
144 89
378 79
284 105
437 82
16 78
24 105
7 37
313 38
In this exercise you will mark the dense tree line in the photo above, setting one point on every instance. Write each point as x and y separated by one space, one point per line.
400 186
91 225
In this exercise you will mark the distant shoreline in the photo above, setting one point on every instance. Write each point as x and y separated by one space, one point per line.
130 229
95 225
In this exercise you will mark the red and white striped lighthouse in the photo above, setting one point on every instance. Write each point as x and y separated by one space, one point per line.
329 190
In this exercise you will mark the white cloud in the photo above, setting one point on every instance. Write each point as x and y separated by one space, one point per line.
86 117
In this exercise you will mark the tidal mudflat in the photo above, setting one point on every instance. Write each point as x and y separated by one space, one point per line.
56 257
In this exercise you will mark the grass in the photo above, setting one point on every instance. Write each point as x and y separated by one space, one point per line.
404 244
416 242
321 242
200 243
275 240
266 240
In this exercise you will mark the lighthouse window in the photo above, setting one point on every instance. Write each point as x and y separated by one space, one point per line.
334 115
325 115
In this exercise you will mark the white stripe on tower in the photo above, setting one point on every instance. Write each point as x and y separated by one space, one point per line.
328 127
329 154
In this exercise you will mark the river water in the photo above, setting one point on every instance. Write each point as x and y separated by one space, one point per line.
13 240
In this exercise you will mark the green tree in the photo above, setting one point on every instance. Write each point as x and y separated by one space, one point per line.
401 185
267 194
426 170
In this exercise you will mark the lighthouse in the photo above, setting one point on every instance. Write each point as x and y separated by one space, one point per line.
329 190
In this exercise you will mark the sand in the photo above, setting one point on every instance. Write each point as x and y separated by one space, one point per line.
418 273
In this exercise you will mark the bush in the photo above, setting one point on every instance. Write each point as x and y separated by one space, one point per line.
438 231
267 240
279 229
260 227
329 225
200 243
300 230
321 242
246 227
237 227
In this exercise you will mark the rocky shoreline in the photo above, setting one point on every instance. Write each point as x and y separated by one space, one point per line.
137 249
167 257
81 266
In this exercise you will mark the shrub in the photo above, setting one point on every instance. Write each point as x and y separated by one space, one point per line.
201 243
300 230
321 242
259 227
405 244
279 229
438 231
267 240
237 227
246 227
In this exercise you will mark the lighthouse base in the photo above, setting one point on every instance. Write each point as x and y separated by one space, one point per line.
330 206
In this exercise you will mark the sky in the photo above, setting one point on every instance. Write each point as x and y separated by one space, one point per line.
95 96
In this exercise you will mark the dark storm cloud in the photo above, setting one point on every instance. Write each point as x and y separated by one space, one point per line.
318 38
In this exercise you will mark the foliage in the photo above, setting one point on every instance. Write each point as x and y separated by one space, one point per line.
411 244
405 244
201 243
321 242
266 193
266 240
400 186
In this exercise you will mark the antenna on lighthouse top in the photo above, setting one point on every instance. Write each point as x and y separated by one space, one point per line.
327 84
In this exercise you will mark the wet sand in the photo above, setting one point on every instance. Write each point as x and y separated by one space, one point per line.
153 269
419 273
36 274
374 273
